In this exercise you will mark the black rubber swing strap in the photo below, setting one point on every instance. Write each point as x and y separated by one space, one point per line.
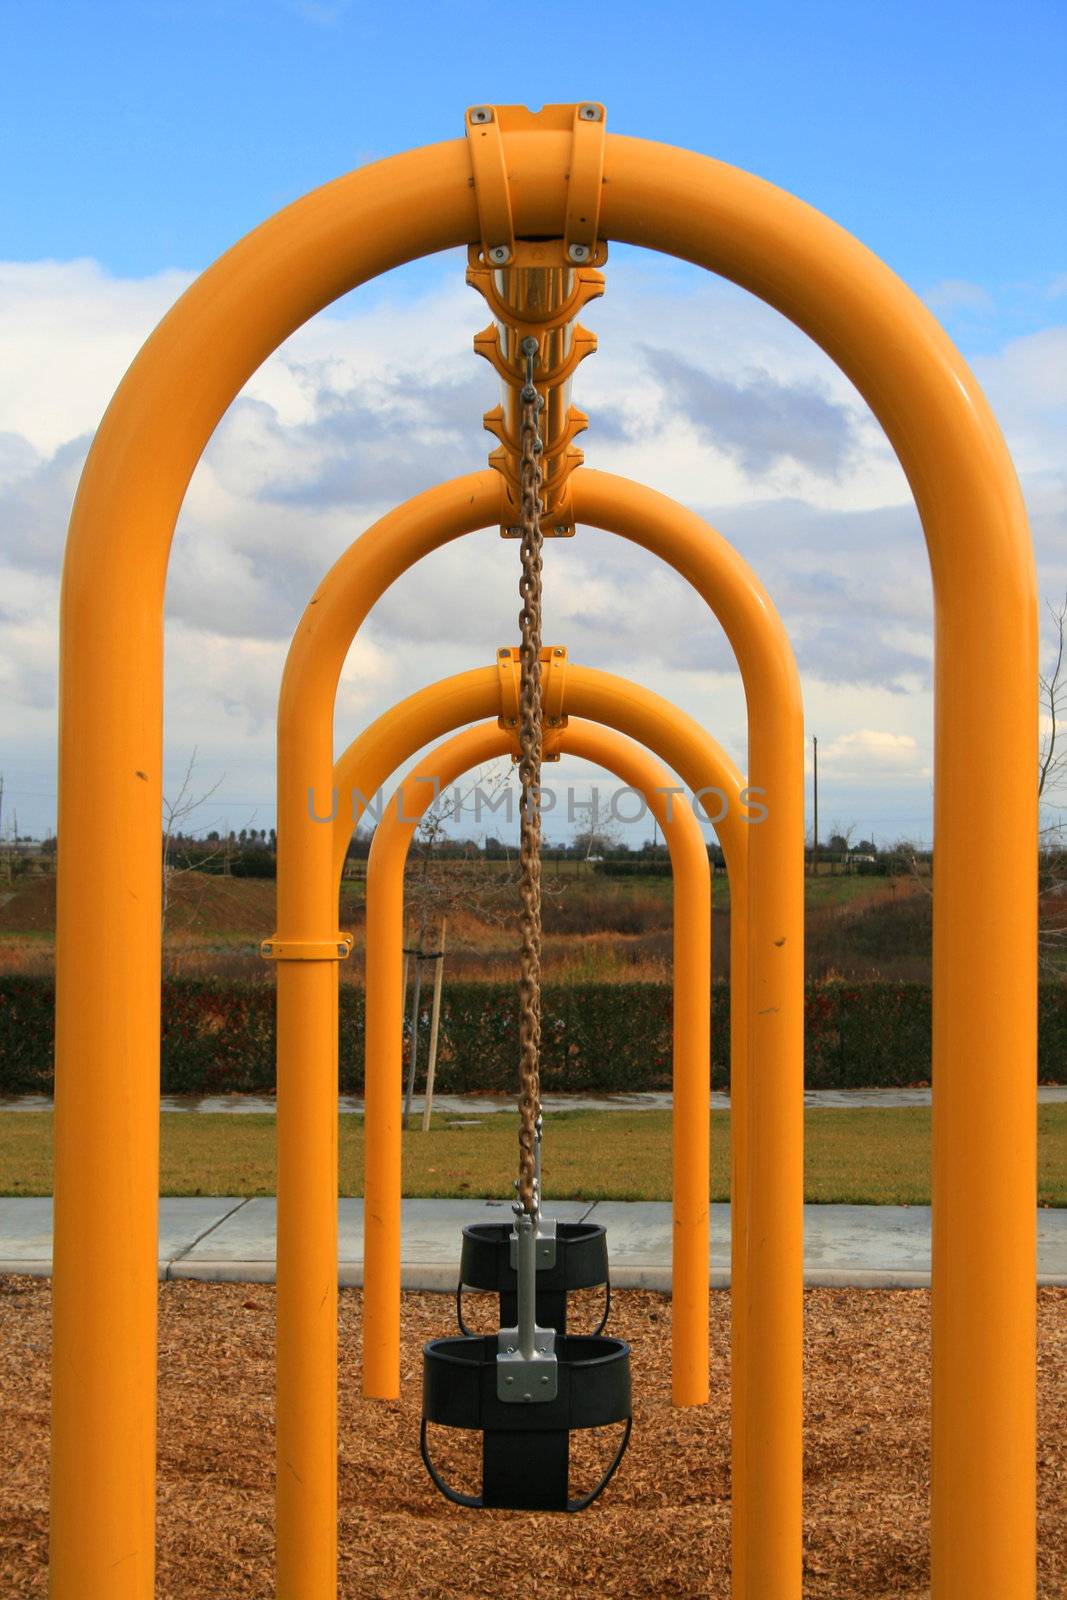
470 1333
475 1502
587 1499
602 1324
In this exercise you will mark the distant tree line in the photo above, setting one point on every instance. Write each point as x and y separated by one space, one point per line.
246 853
252 853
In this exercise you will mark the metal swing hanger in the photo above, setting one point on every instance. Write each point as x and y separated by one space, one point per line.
535 289
528 1387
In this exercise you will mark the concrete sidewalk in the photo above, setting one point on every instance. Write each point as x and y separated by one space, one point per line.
232 1241
483 1105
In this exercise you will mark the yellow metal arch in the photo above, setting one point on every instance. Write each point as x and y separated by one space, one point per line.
691 1048
768 1245
599 697
984 937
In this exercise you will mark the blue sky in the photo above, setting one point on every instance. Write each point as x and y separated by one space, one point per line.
150 134
138 140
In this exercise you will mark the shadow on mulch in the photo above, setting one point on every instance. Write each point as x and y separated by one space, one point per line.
662 1528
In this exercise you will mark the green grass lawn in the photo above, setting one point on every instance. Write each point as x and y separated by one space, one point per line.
862 1157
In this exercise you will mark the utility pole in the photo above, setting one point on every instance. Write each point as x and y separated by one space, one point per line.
815 824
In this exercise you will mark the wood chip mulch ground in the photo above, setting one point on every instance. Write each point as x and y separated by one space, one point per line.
661 1529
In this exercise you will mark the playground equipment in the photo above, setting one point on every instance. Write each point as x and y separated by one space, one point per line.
709 772
524 178
309 685
691 1042
768 1206
470 1382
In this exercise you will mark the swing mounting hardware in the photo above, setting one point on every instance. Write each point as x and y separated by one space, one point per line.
486 127
535 289
544 1227
553 694
522 1379
545 1243
275 949
526 1366
529 1386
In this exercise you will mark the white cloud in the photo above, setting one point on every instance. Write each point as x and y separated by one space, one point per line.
68 331
873 751
698 389
1026 383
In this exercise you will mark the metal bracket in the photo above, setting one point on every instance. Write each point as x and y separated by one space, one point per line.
576 422
554 687
553 690
486 126
584 183
522 1378
336 949
535 289
487 345
545 1254
491 185
587 283
558 521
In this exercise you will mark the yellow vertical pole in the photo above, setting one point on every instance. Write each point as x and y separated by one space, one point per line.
740 1186
307 1275
984 1442
102 1528
308 812
106 1187
383 1090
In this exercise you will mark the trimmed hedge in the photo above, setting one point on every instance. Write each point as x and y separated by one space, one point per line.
218 1038
27 1032
633 869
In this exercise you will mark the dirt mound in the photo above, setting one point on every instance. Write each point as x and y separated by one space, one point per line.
28 905
201 907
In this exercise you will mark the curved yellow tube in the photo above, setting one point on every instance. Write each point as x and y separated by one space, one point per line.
102 1524
678 739
691 1050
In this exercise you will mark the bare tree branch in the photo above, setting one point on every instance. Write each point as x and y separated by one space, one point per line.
174 814
1051 772
1053 702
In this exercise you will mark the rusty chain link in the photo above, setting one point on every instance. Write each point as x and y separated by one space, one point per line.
530 727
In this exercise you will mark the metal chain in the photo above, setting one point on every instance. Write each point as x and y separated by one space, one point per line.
530 726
